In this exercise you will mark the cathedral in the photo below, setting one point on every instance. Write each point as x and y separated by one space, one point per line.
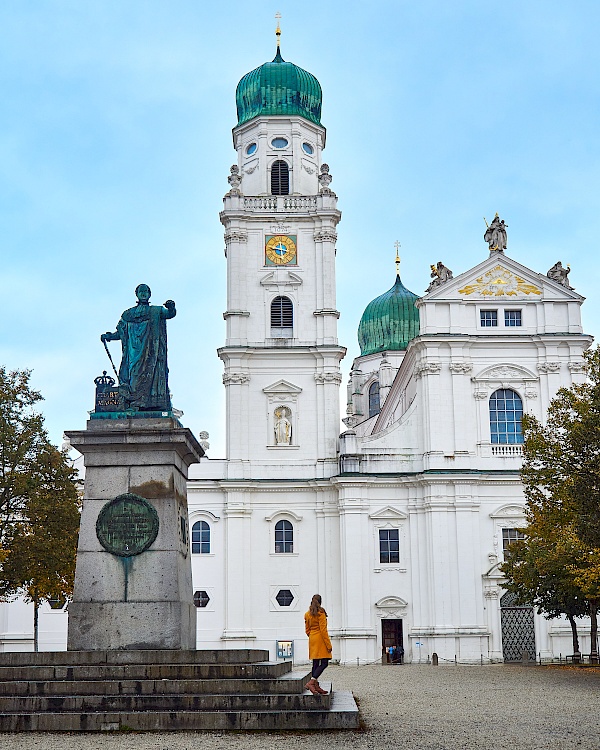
401 521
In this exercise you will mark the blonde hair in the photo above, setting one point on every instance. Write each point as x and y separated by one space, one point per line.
315 605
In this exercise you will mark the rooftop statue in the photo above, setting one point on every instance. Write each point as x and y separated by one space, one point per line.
560 274
440 275
143 374
495 234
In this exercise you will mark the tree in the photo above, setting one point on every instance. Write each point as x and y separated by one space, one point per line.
539 570
22 437
561 477
40 507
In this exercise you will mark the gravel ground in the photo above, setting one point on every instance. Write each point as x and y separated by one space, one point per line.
413 706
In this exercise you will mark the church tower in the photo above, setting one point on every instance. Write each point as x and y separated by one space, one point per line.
281 355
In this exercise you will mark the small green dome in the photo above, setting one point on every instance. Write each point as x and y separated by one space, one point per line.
278 88
389 321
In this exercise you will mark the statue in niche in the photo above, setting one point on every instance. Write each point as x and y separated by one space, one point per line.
440 275
495 235
283 426
560 274
143 374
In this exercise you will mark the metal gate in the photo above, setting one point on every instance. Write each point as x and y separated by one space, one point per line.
518 629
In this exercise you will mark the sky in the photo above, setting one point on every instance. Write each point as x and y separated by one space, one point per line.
115 146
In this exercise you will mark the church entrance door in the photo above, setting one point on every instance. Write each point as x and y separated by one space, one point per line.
392 645
518 629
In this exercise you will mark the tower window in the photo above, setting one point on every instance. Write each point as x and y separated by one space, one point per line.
201 598
506 413
284 597
389 546
282 317
280 178
200 538
284 537
374 407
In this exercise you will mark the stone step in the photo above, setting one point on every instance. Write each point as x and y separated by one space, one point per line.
290 682
165 702
167 656
145 671
343 714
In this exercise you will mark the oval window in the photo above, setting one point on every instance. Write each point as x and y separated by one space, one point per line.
251 149
308 149
279 142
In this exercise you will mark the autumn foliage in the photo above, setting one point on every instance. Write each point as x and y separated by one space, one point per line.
557 566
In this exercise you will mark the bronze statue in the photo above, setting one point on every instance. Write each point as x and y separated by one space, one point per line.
143 374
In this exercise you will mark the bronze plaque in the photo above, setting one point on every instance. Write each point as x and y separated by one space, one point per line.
127 525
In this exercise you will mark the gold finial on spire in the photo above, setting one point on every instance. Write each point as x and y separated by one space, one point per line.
397 246
278 30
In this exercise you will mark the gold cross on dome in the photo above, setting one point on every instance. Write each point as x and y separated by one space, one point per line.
397 246
278 30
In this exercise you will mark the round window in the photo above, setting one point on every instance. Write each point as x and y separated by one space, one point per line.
307 148
251 149
279 142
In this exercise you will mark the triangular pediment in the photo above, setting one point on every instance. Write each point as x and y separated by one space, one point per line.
388 513
282 387
500 278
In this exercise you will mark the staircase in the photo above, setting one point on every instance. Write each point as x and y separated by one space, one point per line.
163 691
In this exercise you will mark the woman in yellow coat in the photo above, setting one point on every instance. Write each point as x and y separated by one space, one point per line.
319 645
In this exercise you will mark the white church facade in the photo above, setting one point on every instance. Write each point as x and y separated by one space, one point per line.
400 522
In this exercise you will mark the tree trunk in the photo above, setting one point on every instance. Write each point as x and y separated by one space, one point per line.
594 631
573 624
35 624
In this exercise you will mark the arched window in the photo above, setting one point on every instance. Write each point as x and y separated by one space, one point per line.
374 407
284 536
506 413
282 317
200 538
280 178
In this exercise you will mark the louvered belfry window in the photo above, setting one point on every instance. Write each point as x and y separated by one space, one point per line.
282 314
280 178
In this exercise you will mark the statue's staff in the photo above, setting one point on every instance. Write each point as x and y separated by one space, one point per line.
111 360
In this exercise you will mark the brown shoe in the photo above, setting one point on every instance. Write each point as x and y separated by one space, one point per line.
312 686
320 689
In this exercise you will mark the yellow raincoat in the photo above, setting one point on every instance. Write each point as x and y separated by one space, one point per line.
319 645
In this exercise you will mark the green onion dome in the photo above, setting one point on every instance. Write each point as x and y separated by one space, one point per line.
389 321
278 88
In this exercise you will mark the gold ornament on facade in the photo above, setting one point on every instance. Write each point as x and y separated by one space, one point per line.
499 282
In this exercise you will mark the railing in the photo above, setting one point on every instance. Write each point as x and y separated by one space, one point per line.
281 203
507 451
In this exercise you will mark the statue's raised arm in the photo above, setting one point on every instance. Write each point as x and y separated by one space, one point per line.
143 374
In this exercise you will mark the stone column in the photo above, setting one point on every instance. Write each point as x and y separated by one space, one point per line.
141 600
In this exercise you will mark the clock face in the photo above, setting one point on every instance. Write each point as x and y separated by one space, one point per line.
280 249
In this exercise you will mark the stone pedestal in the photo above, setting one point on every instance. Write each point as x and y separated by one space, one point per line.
143 600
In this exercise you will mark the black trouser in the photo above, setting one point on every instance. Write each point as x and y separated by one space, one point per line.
319 666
